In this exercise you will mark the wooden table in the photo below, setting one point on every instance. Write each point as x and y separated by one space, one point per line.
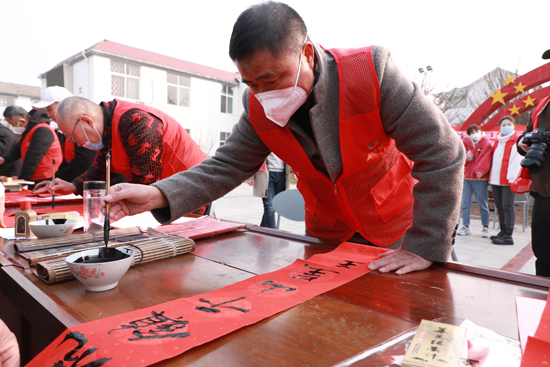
320 332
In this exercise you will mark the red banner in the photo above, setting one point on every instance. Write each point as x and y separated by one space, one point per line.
150 335
536 349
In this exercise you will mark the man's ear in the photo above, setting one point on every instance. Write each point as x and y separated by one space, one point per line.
309 54
86 120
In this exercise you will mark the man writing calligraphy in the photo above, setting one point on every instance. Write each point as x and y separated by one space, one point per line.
374 157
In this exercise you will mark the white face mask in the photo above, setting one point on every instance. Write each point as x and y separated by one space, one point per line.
476 136
93 146
18 129
280 104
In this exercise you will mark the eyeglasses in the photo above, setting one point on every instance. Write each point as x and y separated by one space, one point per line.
70 139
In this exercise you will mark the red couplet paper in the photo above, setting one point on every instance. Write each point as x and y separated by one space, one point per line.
9 218
15 198
538 347
150 335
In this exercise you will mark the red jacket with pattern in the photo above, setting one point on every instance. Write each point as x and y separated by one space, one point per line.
179 151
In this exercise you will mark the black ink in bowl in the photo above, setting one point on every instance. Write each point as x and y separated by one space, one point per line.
105 255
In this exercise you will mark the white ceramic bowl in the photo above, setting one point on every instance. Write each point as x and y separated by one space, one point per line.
48 229
99 276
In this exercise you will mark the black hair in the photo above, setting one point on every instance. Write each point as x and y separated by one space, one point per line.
507 118
15 112
271 25
40 115
472 128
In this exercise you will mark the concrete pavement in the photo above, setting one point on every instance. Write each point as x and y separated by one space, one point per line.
240 206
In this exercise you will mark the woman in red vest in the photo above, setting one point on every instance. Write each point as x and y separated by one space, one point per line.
504 171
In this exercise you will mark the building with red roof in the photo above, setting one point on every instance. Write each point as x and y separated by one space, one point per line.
204 100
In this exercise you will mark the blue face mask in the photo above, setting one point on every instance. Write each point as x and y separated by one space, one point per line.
506 130
93 146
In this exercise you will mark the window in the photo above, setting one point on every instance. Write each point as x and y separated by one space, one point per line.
227 99
223 137
6 101
124 80
178 89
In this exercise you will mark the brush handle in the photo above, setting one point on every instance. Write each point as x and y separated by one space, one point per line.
53 183
107 224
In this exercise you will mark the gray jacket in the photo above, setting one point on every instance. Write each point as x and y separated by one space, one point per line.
261 181
419 129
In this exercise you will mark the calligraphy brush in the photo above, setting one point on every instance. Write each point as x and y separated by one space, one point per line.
107 224
53 183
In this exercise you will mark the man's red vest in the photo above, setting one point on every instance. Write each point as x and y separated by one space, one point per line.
179 151
68 151
373 196
45 167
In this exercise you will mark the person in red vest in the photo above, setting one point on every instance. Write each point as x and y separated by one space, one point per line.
38 146
146 144
357 133
76 160
504 171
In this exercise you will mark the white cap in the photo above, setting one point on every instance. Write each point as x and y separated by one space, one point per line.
52 95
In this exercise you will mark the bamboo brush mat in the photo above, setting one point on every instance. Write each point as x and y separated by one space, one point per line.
31 245
146 250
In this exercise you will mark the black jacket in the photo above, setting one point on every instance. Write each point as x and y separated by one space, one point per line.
7 140
83 159
540 181
42 140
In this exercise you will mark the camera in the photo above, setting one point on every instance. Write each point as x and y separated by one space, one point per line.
538 142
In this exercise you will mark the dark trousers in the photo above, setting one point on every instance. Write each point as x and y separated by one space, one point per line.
276 185
504 201
540 234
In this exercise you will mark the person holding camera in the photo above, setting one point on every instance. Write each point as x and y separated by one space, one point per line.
504 171
476 173
534 145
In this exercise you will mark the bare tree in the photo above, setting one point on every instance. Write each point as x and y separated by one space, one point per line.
459 103
205 139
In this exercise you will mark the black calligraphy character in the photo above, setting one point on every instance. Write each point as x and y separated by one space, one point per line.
441 330
276 286
434 349
433 355
215 310
69 357
164 327
348 263
313 274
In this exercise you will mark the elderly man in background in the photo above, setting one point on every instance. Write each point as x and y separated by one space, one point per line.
146 144
350 125
76 159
